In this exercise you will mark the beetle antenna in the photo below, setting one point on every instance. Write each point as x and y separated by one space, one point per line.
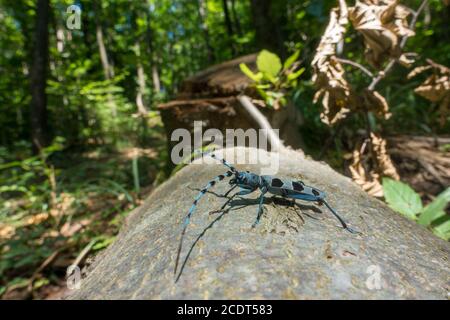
224 162
192 209
344 224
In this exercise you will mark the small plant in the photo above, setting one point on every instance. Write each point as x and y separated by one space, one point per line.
403 199
274 79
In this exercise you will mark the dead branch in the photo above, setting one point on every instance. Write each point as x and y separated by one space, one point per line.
391 63
275 143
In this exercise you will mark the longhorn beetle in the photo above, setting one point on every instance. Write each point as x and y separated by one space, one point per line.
249 182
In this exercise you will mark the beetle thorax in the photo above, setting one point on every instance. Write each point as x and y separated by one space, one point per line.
249 179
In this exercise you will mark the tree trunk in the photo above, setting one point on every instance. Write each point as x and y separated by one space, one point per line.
296 252
156 79
140 73
141 87
108 69
38 77
204 26
237 22
153 56
268 26
229 26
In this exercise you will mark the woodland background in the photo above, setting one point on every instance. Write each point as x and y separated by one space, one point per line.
82 141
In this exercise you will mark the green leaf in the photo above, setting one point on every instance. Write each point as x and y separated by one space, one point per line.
290 61
268 63
402 198
263 86
435 209
443 230
262 93
40 283
295 75
102 242
257 77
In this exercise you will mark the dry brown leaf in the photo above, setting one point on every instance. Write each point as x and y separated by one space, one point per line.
334 104
369 166
6 231
418 70
436 88
375 102
37 218
382 23
332 88
384 162
63 205
369 182
69 229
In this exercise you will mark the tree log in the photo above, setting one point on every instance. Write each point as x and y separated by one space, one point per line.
294 253
212 96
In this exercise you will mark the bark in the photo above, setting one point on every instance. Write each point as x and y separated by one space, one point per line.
156 79
226 82
38 77
268 26
229 26
153 55
141 88
296 252
237 22
108 69
86 27
275 143
204 26
140 72
422 162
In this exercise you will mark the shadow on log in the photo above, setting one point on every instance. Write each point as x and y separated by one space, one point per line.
295 253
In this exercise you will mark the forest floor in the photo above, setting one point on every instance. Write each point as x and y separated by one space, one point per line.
95 190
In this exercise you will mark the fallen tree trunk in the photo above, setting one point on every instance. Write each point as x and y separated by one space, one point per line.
422 162
214 96
298 253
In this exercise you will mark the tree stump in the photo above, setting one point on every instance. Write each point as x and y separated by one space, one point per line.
211 96
294 253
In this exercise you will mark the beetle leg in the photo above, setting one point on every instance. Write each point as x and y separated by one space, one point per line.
260 208
228 192
227 202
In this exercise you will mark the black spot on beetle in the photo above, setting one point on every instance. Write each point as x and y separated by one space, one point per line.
277 183
203 191
315 192
212 183
297 186
221 177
